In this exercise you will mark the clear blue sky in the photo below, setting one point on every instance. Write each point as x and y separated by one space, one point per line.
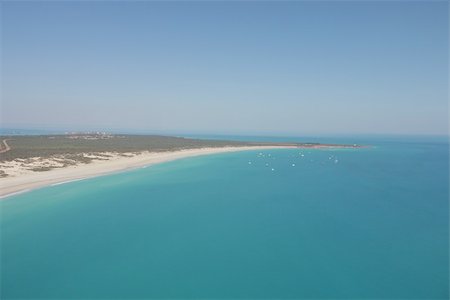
227 67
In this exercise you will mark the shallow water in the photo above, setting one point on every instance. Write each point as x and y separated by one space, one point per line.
364 223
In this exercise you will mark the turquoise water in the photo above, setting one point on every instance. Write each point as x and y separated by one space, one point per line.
365 223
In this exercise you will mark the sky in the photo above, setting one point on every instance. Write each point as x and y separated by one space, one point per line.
237 67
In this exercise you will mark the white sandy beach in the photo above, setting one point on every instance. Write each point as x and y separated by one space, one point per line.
25 181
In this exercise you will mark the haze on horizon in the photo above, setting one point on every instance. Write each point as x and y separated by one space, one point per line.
227 67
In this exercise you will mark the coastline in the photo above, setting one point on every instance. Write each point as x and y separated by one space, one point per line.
10 186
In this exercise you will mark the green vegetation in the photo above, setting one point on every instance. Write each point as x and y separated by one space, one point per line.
73 146
41 169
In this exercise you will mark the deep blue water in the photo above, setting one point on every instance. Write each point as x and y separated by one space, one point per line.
363 223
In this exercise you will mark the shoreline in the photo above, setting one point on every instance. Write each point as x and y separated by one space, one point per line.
10 186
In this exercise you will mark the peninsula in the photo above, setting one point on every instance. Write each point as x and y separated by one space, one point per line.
29 162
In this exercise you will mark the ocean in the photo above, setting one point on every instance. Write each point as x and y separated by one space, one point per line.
286 223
